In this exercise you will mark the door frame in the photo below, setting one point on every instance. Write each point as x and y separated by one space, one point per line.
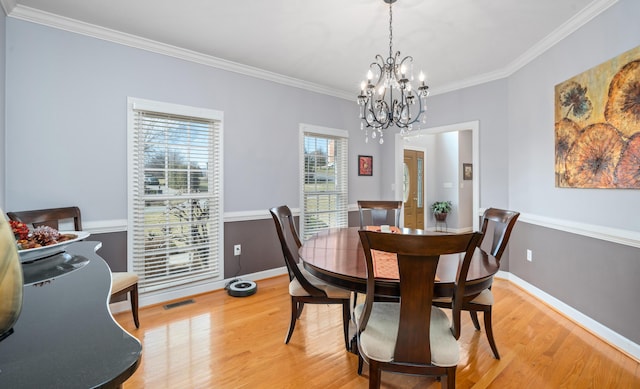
424 180
474 126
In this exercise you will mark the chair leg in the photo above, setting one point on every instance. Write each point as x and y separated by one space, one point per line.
360 363
346 319
474 319
449 380
489 330
294 316
300 307
134 305
374 375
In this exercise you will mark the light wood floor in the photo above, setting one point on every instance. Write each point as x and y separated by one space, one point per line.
225 342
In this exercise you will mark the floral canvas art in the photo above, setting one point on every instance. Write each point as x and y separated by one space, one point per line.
597 126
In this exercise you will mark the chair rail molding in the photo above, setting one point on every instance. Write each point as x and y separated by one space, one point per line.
615 235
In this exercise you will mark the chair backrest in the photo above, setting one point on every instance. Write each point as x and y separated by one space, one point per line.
49 217
287 233
502 222
418 257
378 212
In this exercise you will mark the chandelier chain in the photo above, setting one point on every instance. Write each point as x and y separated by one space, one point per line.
390 31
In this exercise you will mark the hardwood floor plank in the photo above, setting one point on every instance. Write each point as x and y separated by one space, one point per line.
227 342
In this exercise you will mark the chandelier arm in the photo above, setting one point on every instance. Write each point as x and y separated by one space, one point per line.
410 121
407 58
378 122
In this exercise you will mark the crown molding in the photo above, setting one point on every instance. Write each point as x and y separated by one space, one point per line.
570 26
48 19
79 27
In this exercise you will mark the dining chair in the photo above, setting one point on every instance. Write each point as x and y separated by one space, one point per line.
379 212
496 228
411 336
122 283
304 288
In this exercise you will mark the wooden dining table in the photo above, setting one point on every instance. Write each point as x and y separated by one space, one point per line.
335 255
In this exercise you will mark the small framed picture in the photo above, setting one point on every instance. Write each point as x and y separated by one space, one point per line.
365 165
467 171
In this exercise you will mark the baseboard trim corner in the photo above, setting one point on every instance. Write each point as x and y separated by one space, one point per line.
609 336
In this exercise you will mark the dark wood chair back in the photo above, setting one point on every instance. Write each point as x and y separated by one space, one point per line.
418 257
290 243
49 217
378 212
501 222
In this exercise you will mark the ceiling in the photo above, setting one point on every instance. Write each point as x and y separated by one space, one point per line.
330 43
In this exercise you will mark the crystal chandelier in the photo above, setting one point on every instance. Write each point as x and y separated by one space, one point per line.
388 101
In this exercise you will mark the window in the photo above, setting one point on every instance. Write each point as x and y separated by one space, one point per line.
324 183
175 233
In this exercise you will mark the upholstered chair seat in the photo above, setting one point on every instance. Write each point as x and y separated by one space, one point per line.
378 340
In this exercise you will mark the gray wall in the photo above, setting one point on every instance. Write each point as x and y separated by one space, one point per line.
517 172
67 116
66 119
446 176
465 190
487 103
531 124
596 277
3 146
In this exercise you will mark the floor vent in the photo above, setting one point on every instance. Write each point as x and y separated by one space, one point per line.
178 304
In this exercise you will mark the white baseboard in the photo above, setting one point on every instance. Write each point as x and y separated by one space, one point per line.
606 334
159 298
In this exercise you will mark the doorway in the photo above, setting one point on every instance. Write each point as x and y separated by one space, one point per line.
409 142
413 189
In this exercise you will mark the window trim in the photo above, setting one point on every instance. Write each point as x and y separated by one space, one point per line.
137 104
323 131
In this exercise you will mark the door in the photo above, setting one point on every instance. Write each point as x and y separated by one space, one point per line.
413 189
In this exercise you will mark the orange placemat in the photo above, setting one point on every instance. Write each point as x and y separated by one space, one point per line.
394 230
385 265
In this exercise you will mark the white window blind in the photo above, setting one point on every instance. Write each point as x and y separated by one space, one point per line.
175 234
324 179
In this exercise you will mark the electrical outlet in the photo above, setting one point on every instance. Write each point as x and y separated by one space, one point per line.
237 250
529 255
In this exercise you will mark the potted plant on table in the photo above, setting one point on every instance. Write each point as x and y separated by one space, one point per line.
441 209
